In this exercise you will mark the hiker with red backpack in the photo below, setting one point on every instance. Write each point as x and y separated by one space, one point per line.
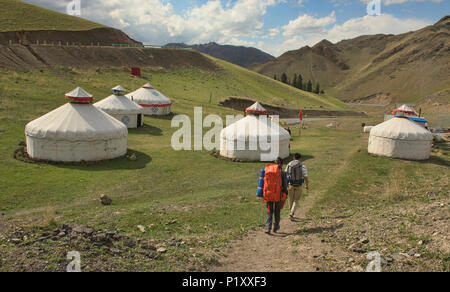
297 175
274 193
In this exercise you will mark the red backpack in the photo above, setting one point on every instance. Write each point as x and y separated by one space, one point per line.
273 184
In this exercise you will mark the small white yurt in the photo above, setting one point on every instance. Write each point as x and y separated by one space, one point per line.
154 102
75 132
121 108
404 110
401 138
241 140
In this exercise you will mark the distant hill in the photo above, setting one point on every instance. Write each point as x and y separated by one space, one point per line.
17 15
239 55
25 23
396 68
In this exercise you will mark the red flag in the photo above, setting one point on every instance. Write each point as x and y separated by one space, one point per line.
300 115
136 71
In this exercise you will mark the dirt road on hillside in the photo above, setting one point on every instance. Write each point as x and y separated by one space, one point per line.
294 248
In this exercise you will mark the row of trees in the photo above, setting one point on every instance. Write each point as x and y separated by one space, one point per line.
297 82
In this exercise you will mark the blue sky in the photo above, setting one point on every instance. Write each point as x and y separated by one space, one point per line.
274 26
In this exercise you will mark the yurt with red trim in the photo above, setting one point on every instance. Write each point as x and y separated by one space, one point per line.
404 110
154 102
122 108
77 131
255 137
256 109
402 138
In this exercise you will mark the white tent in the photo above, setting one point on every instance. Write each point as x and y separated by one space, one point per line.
400 138
123 109
256 109
241 140
404 110
153 101
76 131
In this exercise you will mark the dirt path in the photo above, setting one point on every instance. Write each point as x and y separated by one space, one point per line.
293 249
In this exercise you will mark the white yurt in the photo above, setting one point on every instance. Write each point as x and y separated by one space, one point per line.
121 108
154 102
75 132
241 140
401 138
404 110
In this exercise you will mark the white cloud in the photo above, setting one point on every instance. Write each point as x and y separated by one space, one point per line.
390 2
306 24
367 25
238 22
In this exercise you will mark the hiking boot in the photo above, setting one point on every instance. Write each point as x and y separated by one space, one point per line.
292 217
275 230
267 231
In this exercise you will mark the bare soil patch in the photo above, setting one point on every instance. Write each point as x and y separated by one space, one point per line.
240 104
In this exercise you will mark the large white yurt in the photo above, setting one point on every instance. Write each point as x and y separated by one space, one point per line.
121 108
401 138
75 132
154 102
241 140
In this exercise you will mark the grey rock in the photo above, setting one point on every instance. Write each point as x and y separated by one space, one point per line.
128 242
400 256
364 241
106 201
162 250
148 245
15 240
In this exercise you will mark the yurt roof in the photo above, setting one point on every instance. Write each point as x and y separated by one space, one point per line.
76 122
118 89
148 96
148 85
405 109
79 95
256 108
401 129
241 129
119 104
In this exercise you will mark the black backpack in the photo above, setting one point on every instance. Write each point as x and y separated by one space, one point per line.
295 174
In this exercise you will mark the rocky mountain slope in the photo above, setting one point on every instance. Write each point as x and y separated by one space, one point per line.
397 68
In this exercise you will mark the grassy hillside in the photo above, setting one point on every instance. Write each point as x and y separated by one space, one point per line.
190 203
403 67
18 15
200 192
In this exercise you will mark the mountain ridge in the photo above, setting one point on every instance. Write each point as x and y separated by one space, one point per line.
405 67
238 55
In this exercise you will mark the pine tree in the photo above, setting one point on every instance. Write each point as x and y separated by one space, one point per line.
300 82
284 78
309 86
294 81
317 91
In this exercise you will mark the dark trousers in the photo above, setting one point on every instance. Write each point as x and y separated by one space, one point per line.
273 210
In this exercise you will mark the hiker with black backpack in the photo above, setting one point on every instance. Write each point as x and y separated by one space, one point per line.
297 174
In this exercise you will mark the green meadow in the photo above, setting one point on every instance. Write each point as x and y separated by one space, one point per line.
188 195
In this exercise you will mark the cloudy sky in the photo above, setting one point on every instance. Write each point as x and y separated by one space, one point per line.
274 26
